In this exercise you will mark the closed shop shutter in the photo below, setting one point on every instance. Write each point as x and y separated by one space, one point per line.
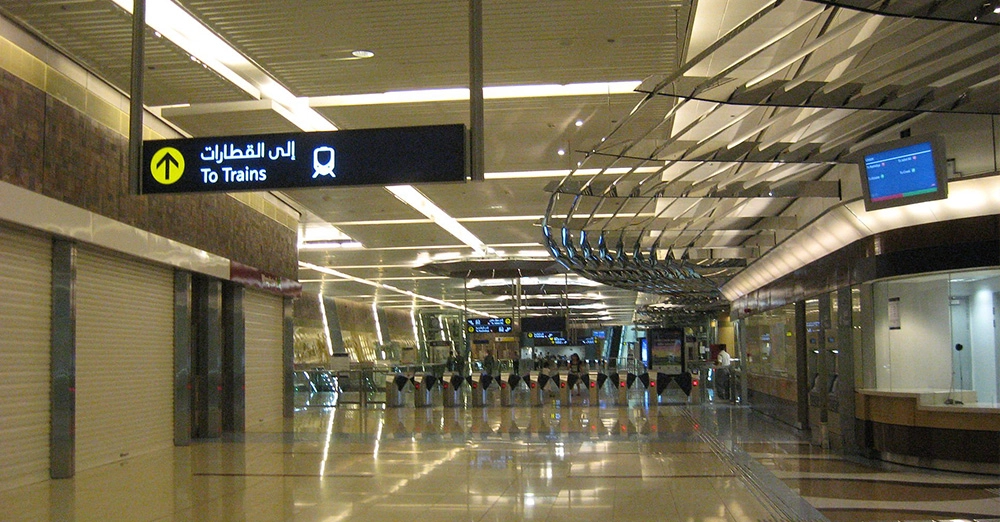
124 358
264 372
25 310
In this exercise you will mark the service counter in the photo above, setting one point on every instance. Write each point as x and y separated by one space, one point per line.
931 428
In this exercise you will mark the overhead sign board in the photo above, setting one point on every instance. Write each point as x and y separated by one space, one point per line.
490 325
547 338
402 155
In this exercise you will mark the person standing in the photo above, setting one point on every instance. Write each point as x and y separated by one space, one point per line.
490 364
723 361
576 373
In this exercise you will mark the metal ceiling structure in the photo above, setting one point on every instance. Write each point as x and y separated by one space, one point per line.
736 135
759 125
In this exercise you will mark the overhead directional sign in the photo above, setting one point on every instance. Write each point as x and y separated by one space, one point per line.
167 165
403 155
489 325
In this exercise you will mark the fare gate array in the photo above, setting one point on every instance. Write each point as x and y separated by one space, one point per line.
535 388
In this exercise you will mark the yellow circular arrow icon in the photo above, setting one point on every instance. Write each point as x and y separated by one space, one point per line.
167 165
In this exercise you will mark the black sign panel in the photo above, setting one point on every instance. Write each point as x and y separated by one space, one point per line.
489 325
403 155
547 338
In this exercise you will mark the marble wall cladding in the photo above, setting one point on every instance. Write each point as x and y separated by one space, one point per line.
50 148
22 113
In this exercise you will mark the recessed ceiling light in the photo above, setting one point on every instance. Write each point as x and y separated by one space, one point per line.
362 54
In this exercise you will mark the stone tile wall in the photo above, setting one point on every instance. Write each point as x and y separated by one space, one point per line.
50 148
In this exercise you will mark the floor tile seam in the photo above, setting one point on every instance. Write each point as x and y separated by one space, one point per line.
894 467
289 475
887 478
774 496
787 456
978 507
493 505
655 476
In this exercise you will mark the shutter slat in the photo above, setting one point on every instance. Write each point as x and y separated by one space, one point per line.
124 358
264 373
25 309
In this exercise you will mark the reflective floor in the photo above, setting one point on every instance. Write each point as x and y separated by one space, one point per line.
636 462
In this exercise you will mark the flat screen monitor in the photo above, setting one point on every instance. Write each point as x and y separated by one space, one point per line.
910 170
544 323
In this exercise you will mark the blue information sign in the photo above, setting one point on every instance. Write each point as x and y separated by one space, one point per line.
403 155
489 325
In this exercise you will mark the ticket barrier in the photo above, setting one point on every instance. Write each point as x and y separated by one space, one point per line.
593 392
400 390
606 388
531 379
685 381
456 390
635 384
549 388
485 390
518 390
579 388
428 390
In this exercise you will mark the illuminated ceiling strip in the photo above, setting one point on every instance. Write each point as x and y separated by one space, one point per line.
379 279
414 198
561 173
476 220
330 271
177 25
505 92
355 267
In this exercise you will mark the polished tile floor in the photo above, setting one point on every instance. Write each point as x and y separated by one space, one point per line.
631 462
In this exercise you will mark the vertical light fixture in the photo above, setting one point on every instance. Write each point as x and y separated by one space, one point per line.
378 324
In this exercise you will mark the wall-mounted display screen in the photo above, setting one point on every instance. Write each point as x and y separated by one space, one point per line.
666 350
905 171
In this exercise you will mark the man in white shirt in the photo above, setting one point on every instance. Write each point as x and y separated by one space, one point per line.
722 373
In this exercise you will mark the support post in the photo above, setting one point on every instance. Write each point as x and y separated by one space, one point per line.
62 398
136 95
476 118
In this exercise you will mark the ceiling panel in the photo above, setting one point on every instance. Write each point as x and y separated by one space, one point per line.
424 44
258 116
492 197
347 204
98 35
516 232
402 235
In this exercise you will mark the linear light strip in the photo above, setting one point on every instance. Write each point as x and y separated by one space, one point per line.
504 92
177 25
477 220
330 271
414 198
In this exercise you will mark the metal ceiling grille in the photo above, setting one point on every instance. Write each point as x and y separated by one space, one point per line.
757 126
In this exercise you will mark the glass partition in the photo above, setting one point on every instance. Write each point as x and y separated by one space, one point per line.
938 332
769 348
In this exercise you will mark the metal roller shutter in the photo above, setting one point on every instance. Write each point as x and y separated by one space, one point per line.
25 310
264 372
124 358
